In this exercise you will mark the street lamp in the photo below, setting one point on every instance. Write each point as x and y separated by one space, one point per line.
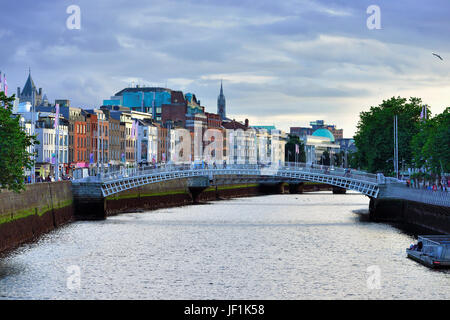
396 145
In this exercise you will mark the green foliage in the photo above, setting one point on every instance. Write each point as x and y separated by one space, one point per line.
374 138
342 159
325 158
431 145
290 149
13 148
354 160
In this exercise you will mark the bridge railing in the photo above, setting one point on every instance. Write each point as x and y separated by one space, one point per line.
439 198
148 170
226 169
332 170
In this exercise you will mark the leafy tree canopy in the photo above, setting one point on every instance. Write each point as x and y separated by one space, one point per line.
374 137
290 149
431 145
14 142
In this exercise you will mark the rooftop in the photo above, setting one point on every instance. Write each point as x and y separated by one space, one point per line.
324 133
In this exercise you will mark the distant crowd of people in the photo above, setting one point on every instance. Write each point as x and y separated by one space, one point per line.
49 178
441 186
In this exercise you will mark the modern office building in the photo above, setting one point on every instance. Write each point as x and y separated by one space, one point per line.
144 99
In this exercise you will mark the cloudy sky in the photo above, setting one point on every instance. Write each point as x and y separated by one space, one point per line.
282 62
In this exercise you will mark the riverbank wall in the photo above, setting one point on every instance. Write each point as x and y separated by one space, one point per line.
38 209
431 217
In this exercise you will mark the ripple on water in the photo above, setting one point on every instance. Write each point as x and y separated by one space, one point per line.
310 246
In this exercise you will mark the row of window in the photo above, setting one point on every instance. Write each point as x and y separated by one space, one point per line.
50 139
49 155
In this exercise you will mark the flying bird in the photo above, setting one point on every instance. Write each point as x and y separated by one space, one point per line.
436 55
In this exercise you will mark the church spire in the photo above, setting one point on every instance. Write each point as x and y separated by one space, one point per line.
30 92
221 103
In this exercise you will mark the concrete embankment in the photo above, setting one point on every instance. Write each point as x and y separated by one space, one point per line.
432 217
37 210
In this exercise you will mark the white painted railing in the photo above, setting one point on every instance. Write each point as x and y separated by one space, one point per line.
303 167
117 181
438 198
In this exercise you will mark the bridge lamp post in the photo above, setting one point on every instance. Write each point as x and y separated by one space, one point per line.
33 132
98 144
396 145
346 159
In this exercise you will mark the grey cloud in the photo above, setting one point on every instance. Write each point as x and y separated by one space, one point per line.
195 39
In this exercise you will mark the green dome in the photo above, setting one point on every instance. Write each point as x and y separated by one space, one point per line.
324 133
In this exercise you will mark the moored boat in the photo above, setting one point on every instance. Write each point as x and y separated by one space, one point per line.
432 251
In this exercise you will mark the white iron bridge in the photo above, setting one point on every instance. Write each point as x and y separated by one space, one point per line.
117 181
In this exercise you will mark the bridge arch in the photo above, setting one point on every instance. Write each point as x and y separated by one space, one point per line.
115 182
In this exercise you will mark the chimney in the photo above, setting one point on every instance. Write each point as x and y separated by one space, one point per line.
18 92
246 123
40 91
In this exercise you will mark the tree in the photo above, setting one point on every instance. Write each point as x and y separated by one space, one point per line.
14 142
339 158
353 160
290 149
430 146
325 158
374 138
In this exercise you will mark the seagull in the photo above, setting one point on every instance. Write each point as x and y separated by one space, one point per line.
436 55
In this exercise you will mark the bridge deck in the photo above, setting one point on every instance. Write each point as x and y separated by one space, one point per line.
118 181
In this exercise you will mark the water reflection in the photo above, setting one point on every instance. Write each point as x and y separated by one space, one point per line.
310 246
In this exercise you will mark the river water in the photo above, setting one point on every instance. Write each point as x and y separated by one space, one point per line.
309 246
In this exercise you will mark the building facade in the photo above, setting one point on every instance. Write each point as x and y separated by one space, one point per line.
51 146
